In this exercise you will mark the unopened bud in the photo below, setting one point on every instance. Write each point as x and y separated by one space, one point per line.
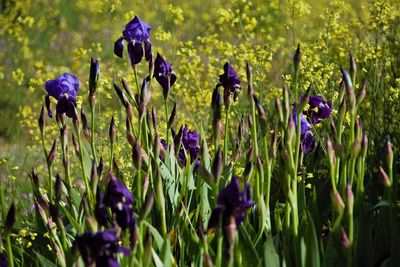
75 120
172 117
356 147
353 68
154 119
350 199
349 89
52 154
291 130
273 147
94 75
137 155
86 129
10 219
278 107
337 202
94 178
358 128
217 165
91 224
297 59
341 111
112 130
364 146
76 146
126 87
385 180
58 188
304 99
249 75
286 102
345 239
331 152
42 120
262 117
389 153
148 244
147 205
362 92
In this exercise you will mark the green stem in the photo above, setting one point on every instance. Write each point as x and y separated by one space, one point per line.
49 171
9 250
85 176
218 261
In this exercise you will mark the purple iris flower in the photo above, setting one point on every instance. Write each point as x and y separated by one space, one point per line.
100 248
232 204
230 81
306 137
137 34
118 198
64 89
3 260
319 109
164 74
190 142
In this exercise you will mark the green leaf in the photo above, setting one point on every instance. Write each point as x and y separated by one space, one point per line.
157 260
271 258
247 248
43 261
77 226
309 242
156 235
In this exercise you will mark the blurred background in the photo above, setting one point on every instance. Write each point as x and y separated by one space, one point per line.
41 39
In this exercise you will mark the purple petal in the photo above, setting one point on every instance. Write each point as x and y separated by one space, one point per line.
135 52
119 47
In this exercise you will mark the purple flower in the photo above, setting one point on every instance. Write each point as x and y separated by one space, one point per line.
230 81
319 109
306 137
118 198
100 248
137 34
3 260
164 74
64 89
307 142
232 204
190 142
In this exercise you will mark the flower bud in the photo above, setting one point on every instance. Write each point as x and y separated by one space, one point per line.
349 89
389 154
121 96
52 154
154 119
94 75
331 152
364 146
137 155
361 92
344 238
206 175
126 87
10 218
172 117
207 260
304 99
249 75
297 60
229 233
353 68
42 120
278 107
147 205
91 224
133 235
358 128
337 202
291 131
76 146
217 165
273 147
100 168
262 117
112 130
216 104
356 147
385 180
350 199
342 91
58 188
86 129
